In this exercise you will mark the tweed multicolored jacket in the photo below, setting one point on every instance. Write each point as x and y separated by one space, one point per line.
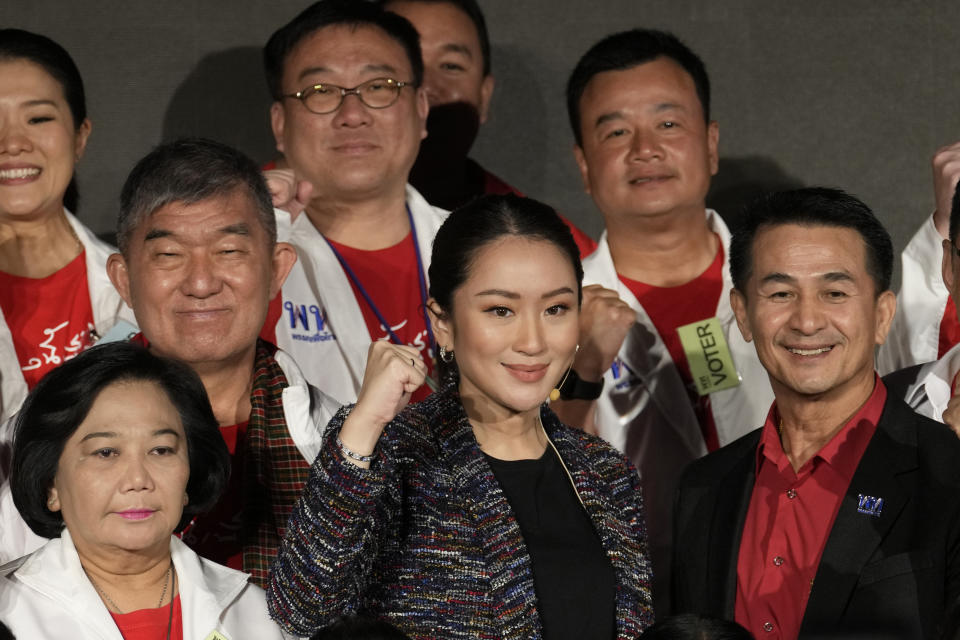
426 538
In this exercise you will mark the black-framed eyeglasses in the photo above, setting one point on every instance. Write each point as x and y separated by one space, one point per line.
378 93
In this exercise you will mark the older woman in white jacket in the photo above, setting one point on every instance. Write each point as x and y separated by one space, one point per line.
114 451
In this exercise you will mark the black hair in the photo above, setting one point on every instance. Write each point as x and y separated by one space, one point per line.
811 207
955 214
473 11
60 403
359 628
482 221
626 50
691 626
17 44
190 170
327 13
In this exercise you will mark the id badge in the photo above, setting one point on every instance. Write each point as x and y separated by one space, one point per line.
708 356
215 635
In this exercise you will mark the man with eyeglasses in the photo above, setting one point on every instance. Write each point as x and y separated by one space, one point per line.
933 389
348 116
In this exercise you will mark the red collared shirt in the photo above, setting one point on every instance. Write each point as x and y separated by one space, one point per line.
789 519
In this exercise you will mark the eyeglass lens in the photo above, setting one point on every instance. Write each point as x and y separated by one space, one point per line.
376 94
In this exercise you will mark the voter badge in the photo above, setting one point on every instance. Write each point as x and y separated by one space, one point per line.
215 635
708 356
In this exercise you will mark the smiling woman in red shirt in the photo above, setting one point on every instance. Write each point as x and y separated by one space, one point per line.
55 298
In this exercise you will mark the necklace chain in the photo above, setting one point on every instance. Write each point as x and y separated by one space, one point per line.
166 582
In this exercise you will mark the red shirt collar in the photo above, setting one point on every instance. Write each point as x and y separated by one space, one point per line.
843 451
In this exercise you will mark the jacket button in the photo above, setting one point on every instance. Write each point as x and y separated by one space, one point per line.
768 626
791 493
778 561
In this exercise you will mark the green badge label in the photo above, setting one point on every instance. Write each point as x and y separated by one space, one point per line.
215 635
708 356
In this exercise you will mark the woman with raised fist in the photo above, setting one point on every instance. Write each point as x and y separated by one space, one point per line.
476 513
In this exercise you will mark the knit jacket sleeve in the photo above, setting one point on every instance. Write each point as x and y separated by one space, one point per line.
336 532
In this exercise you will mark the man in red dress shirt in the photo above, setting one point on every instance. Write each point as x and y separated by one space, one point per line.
843 511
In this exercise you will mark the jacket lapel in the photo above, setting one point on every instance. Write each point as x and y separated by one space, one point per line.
512 597
646 356
206 590
855 536
594 492
726 529
334 294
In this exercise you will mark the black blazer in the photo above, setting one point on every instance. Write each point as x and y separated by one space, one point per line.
900 570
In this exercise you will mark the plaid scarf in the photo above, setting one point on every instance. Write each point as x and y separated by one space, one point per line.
274 470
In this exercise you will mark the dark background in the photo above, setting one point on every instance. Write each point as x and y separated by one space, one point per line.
856 94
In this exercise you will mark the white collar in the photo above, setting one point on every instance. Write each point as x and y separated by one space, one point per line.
206 588
935 380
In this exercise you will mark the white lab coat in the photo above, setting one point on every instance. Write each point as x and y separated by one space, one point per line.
48 595
321 325
914 336
108 309
305 408
644 410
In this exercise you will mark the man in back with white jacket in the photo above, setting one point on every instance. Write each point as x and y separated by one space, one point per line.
662 372
349 114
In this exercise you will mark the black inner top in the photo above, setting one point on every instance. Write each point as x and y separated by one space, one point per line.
572 575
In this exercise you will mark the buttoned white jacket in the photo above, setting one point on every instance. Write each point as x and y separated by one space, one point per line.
321 325
107 305
47 595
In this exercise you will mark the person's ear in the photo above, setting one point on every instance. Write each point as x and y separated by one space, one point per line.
738 302
886 309
423 109
53 499
120 276
442 324
284 257
81 137
582 165
277 123
713 142
486 93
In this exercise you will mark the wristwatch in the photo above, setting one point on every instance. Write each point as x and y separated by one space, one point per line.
576 388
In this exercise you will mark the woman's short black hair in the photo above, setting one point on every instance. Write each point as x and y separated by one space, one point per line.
17 44
62 400
691 626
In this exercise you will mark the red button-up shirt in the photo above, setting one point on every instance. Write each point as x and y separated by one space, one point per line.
789 518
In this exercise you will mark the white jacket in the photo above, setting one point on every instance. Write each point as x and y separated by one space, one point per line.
915 333
48 595
321 324
306 410
644 410
108 309
931 389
